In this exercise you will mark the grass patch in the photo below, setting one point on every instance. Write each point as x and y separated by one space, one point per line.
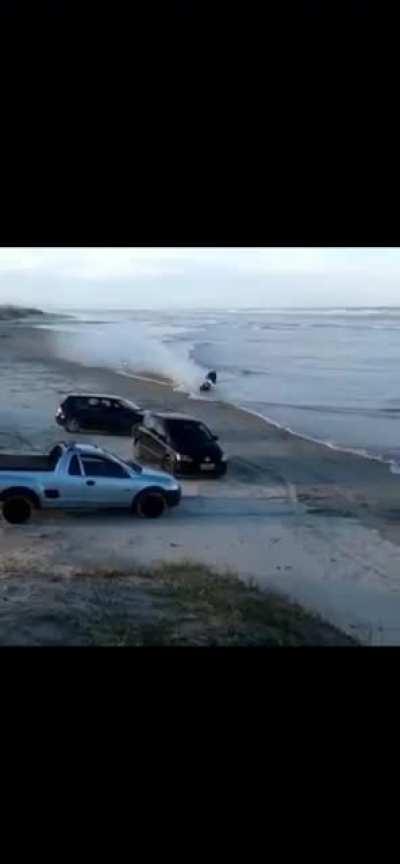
193 605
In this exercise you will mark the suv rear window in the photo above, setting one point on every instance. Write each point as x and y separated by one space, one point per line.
75 402
188 431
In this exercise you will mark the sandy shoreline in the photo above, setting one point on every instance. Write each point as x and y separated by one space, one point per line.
321 525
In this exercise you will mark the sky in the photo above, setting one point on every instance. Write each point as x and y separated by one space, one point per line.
219 277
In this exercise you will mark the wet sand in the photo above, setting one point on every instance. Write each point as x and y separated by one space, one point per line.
319 525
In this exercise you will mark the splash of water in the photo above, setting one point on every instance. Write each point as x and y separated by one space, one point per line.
128 347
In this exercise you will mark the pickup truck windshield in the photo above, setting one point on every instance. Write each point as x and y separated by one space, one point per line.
132 465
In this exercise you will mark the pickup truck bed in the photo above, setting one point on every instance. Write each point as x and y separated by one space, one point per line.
14 462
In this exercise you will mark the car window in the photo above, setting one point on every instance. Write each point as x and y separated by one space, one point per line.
205 431
157 427
105 403
97 467
148 422
74 467
189 432
116 405
94 403
160 428
126 403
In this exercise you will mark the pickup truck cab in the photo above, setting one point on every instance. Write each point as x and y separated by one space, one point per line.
81 477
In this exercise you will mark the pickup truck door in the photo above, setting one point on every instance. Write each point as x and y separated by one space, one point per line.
98 482
107 483
73 489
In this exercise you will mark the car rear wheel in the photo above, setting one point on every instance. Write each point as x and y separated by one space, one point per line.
17 510
72 426
150 505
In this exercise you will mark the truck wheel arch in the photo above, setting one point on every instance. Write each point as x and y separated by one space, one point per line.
152 491
23 492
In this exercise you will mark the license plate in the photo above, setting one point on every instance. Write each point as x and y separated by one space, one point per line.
208 467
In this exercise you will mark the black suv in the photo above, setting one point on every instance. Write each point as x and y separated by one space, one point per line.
180 444
99 413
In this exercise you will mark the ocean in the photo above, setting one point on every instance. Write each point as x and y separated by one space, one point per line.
328 374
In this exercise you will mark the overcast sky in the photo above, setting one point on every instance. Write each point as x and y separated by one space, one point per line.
202 277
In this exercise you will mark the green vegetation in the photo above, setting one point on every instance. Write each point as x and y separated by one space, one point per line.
193 606
183 604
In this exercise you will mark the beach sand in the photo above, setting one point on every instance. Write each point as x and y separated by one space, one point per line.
321 526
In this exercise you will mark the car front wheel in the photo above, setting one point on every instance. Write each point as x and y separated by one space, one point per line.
150 505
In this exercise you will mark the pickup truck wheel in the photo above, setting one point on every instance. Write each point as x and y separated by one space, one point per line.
17 510
150 505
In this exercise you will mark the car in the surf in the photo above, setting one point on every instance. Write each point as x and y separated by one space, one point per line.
180 444
97 412
81 477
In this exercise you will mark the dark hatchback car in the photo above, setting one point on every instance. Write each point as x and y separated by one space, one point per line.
179 444
99 413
